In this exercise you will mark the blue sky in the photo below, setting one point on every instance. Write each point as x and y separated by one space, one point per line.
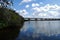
38 8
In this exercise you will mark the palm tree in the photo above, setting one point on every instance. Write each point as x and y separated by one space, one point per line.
5 3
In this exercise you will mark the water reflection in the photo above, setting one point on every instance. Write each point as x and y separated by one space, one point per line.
40 30
9 33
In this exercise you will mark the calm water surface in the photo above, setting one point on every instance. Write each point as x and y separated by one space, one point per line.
40 30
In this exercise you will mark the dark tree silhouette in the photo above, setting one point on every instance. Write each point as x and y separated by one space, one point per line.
6 3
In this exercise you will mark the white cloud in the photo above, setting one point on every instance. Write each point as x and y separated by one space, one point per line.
22 12
27 6
25 1
0 4
41 14
36 9
17 11
14 9
47 11
35 4
54 13
28 16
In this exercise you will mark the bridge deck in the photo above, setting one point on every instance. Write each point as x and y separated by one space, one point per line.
40 19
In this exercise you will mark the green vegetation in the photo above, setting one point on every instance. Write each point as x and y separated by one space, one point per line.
9 18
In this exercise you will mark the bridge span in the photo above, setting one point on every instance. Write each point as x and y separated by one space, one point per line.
41 19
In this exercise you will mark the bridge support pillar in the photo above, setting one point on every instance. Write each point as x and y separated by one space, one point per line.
35 19
29 19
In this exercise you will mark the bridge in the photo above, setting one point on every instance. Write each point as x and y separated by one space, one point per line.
41 19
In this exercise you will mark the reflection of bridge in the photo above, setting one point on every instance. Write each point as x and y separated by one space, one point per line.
40 19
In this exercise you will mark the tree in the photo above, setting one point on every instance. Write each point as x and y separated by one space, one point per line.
6 3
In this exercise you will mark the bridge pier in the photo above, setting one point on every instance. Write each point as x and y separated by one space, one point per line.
29 19
36 19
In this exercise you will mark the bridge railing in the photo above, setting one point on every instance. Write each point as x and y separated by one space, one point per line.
39 19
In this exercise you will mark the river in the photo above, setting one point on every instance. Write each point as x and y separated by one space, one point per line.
40 30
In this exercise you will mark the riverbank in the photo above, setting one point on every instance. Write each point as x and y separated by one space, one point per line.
9 18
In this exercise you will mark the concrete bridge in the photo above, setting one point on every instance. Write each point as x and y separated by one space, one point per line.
40 19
